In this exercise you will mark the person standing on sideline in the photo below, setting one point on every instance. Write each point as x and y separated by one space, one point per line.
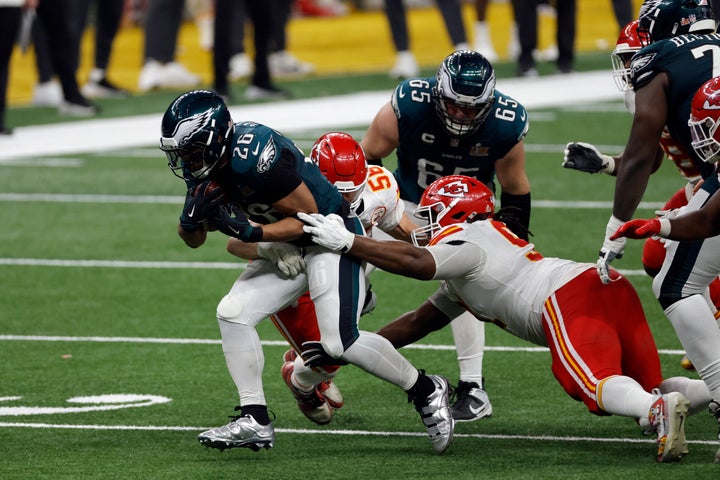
11 12
405 63
160 69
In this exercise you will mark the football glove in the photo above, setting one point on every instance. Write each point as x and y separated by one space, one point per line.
201 204
587 158
328 231
286 256
315 355
641 228
231 221
611 249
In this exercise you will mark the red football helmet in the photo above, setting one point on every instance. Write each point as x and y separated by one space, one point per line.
448 200
342 161
705 119
627 44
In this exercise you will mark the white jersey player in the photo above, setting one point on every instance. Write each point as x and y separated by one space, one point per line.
606 360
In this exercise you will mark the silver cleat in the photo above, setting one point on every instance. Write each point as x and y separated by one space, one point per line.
435 414
241 432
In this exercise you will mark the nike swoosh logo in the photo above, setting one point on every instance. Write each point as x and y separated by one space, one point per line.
191 212
257 149
401 94
477 410
522 117
234 230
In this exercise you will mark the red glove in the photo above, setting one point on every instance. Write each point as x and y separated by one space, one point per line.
638 228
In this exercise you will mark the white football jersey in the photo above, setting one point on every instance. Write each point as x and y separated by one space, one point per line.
497 276
380 204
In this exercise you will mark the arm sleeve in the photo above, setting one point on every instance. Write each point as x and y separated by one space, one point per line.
521 204
456 259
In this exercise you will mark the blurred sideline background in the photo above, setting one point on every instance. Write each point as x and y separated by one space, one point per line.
357 42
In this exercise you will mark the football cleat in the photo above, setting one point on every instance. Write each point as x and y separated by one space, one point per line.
313 405
241 432
687 364
435 414
714 408
327 389
667 417
471 402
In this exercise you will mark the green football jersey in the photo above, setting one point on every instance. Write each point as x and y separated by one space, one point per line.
427 151
689 61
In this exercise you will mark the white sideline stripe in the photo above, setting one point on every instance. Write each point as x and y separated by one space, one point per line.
356 109
40 262
270 343
178 200
160 428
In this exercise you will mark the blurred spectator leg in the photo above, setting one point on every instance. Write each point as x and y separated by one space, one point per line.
566 19
482 41
47 92
282 63
405 64
108 14
525 12
10 18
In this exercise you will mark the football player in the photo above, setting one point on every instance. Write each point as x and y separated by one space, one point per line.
699 223
678 56
457 123
264 179
587 158
608 361
372 193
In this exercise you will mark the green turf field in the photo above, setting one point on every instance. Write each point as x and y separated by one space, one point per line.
110 354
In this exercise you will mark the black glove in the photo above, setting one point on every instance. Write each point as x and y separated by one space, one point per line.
231 221
201 204
315 355
587 158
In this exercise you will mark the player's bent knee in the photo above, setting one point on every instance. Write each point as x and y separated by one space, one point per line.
230 309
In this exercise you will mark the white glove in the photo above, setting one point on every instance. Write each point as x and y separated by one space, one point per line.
285 256
587 158
328 231
611 249
669 214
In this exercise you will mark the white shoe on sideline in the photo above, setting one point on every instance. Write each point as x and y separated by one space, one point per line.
47 94
283 64
405 66
240 67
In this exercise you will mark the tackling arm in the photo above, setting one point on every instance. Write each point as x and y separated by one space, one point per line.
403 229
414 325
392 256
695 225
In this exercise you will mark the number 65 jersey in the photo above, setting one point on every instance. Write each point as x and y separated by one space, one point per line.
426 150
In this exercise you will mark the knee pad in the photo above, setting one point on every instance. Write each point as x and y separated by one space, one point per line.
230 309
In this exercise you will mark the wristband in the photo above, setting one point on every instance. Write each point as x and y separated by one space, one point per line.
610 167
665 227
256 235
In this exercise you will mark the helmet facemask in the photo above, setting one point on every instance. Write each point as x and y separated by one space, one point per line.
450 200
431 214
704 121
196 129
464 92
703 133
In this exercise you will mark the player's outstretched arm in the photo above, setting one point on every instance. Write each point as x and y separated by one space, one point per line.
695 225
393 256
